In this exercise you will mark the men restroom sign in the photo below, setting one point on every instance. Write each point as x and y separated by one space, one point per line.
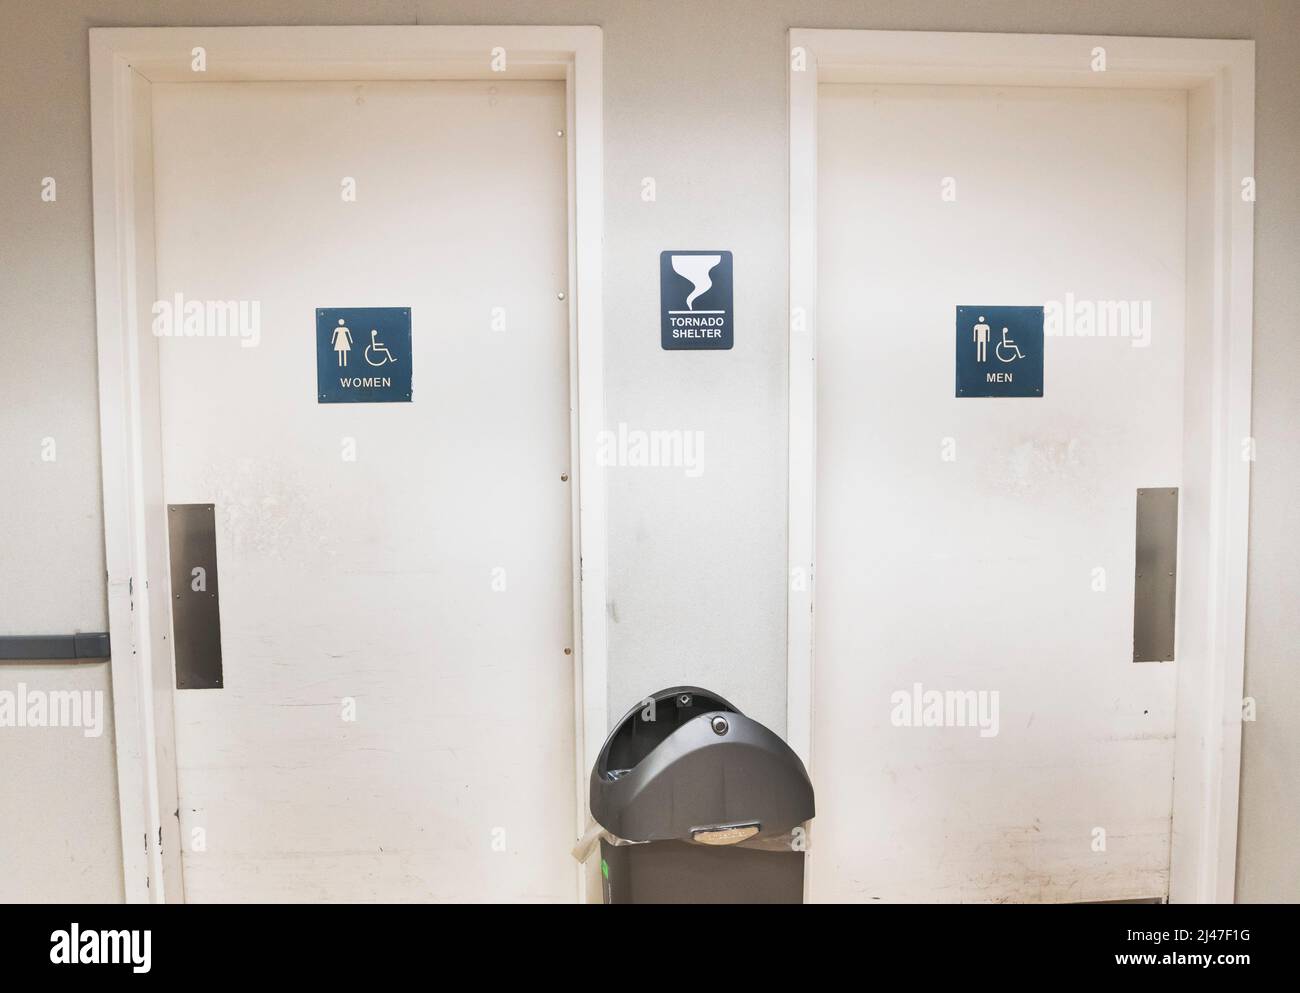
363 354
999 351
695 300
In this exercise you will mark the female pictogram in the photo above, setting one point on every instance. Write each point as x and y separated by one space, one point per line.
341 339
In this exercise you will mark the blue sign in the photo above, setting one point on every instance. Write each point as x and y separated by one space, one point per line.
695 300
999 351
363 355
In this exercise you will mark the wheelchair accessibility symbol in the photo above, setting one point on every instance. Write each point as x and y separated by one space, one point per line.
378 355
1013 351
1006 350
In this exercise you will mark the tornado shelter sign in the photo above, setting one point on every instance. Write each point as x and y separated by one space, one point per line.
695 299
999 351
363 355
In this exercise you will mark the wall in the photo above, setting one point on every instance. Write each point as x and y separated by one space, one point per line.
695 97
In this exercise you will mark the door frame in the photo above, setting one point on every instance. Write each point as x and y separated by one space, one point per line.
1219 77
124 64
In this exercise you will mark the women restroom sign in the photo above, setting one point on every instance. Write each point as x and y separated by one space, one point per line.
999 351
363 355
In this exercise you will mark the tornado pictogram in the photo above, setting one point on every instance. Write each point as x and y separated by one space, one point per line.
696 268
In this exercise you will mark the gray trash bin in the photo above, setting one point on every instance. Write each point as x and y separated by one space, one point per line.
704 805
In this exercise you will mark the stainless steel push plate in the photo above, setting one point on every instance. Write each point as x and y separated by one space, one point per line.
1154 585
196 615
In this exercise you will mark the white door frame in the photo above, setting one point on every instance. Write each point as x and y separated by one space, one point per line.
1220 79
124 63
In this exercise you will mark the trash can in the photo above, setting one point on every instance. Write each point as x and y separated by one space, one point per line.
699 804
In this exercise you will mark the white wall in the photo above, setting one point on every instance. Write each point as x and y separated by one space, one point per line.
695 97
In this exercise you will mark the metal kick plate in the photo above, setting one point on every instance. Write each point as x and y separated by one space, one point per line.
1154 585
196 615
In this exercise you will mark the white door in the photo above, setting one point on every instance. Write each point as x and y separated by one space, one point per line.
983 549
396 581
